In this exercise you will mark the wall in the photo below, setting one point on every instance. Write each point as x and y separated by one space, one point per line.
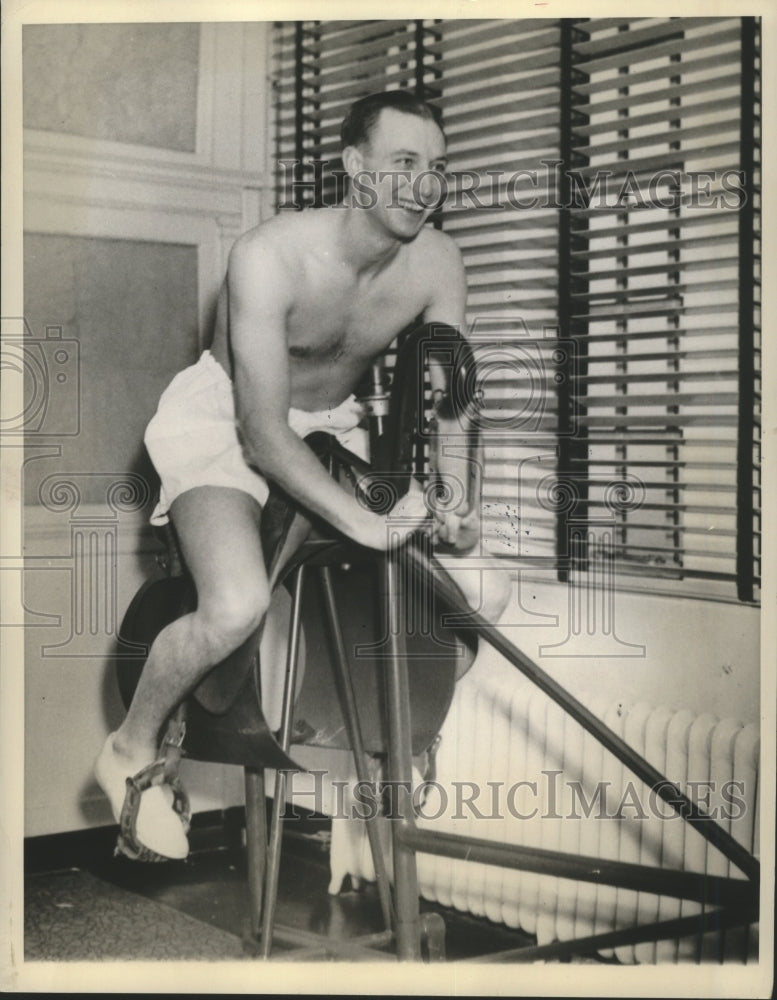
126 83
144 158
680 652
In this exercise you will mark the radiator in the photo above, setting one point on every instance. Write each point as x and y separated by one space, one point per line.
502 730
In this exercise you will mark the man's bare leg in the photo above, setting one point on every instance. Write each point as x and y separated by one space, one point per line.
486 589
218 532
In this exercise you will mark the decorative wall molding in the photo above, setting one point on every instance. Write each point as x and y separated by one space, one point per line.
77 170
75 185
232 81
78 566
207 232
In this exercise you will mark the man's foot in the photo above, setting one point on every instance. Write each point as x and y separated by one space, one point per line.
158 827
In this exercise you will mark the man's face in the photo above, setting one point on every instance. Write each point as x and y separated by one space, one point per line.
404 163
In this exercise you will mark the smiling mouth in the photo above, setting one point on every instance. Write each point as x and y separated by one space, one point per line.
412 207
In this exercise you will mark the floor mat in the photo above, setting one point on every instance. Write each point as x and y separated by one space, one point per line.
73 916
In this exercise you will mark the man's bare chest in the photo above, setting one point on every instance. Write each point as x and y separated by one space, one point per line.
337 320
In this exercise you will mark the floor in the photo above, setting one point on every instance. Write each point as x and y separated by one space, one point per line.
77 895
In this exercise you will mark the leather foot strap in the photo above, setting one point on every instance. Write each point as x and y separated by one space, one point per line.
163 771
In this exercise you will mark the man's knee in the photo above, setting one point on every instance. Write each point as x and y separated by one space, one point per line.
495 594
231 616
486 590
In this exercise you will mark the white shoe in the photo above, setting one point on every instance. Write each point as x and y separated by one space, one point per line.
158 827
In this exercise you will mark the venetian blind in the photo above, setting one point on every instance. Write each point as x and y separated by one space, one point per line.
499 89
603 189
662 250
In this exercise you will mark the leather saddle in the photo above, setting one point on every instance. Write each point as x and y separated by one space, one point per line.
226 720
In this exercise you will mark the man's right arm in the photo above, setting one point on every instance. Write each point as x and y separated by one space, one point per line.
261 293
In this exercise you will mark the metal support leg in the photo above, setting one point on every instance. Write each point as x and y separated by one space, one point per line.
256 844
433 931
350 712
279 801
400 765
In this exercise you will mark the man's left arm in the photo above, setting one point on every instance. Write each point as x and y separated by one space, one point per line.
447 304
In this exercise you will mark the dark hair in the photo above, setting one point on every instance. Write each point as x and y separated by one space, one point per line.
363 114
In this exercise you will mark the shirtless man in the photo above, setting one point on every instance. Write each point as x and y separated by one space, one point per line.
310 300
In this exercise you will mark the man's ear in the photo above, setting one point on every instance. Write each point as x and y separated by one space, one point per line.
353 161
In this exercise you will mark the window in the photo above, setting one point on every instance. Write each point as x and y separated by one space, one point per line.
604 191
660 297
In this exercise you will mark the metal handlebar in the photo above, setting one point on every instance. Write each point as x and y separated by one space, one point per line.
407 432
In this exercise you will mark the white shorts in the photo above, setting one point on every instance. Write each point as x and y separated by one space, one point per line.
193 437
